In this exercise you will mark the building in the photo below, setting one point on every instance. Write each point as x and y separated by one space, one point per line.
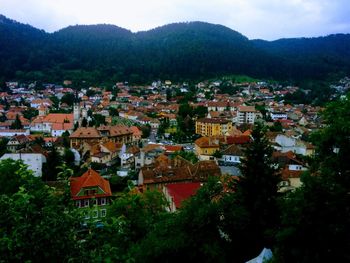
246 114
278 116
213 127
34 161
92 193
176 193
205 147
232 155
91 135
166 171
53 123
17 142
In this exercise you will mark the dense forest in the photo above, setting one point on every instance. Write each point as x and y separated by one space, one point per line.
188 51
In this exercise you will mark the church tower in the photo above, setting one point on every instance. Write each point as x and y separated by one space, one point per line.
76 109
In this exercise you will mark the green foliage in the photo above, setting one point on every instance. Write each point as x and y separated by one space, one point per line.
10 179
34 224
3 146
51 167
68 98
276 127
315 223
257 189
106 54
113 112
315 218
98 120
217 154
30 113
146 130
17 124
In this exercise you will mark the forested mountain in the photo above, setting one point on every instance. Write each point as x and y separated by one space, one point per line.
181 50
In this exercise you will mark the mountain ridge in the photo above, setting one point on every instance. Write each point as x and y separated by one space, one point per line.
178 50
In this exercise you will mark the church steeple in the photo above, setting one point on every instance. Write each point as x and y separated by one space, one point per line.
76 108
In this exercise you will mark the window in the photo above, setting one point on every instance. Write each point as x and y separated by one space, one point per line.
86 202
103 201
95 213
94 201
103 212
90 192
77 203
86 214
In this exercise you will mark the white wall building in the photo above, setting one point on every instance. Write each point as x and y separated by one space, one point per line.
34 161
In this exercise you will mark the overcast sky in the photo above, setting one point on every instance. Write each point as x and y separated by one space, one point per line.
265 19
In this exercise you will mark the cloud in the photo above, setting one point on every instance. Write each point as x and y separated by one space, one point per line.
267 19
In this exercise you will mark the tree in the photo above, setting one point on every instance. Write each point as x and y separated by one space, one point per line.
113 112
277 127
68 98
10 179
17 124
99 120
146 130
35 225
257 190
316 217
130 218
217 154
51 167
84 122
197 239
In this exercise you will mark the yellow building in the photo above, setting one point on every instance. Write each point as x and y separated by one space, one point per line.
213 127
205 147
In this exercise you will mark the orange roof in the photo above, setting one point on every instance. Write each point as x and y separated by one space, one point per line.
246 108
247 132
55 118
136 131
86 132
89 179
111 146
62 126
206 142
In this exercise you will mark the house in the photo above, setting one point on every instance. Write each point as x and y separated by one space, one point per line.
92 193
288 143
34 161
106 153
136 134
53 123
246 114
176 193
148 154
291 169
213 127
117 134
278 116
232 155
205 147
17 142
166 171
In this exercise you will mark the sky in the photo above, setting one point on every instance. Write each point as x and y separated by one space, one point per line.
263 19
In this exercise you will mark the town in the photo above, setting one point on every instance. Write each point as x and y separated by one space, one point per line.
167 137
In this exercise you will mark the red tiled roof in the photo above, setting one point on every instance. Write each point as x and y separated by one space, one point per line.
90 178
242 139
182 191
173 148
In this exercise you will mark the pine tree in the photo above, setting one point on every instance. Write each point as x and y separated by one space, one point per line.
17 124
257 189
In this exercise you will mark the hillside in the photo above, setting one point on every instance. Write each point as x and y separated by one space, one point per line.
181 50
